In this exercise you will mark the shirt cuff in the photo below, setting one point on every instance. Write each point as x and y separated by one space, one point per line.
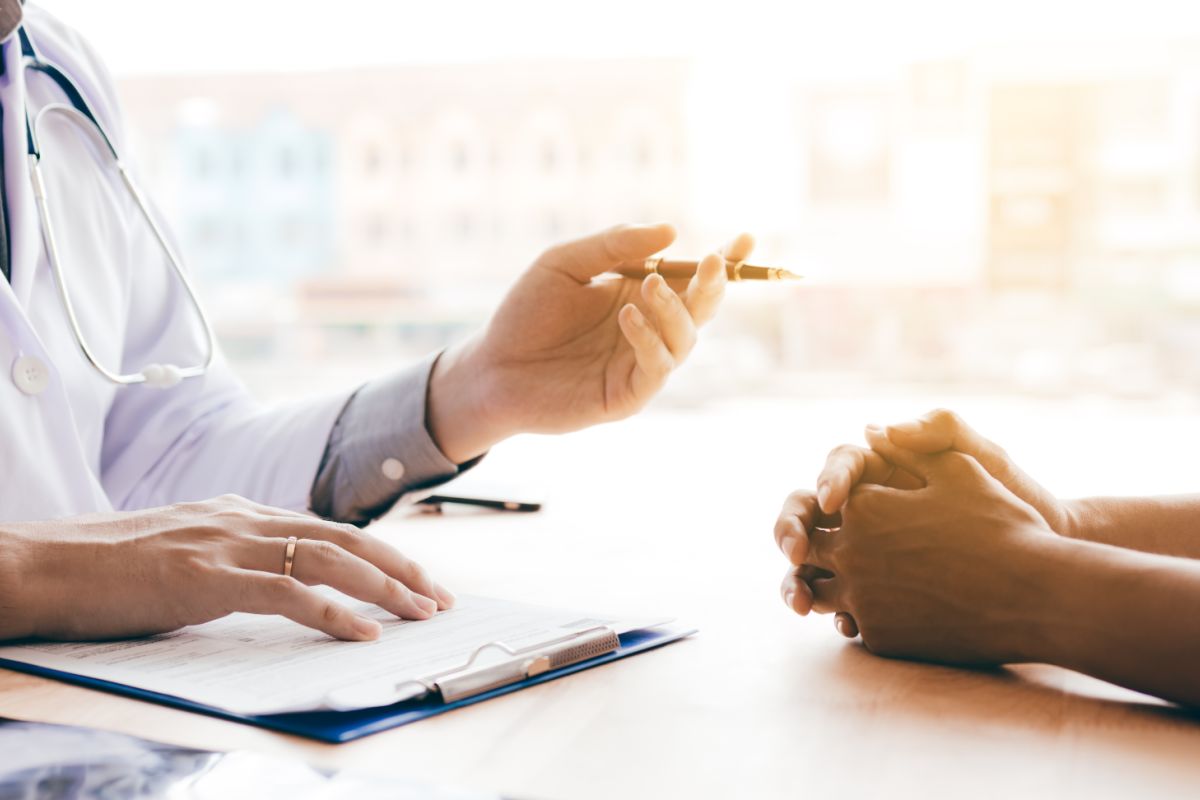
379 450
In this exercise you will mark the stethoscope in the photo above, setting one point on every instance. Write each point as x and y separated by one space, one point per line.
80 114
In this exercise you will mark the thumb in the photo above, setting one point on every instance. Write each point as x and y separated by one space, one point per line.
593 255
932 433
917 464
941 430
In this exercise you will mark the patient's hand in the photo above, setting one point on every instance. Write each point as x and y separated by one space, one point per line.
936 432
947 572
848 466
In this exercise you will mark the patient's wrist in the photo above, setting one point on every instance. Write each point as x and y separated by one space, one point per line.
1074 582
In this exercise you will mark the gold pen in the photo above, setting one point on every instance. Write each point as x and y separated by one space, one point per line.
734 270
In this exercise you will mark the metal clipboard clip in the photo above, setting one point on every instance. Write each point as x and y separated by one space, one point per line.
526 662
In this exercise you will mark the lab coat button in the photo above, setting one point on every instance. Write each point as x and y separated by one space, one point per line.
392 469
30 375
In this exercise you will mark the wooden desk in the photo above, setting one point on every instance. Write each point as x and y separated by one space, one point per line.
652 515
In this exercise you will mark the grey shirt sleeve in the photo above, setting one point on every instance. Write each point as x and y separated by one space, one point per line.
380 451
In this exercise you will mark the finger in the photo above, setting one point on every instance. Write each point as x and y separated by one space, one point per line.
706 289
367 547
796 518
259 593
318 562
846 624
821 549
826 594
796 594
585 258
809 573
916 464
942 429
739 248
846 466
653 362
671 317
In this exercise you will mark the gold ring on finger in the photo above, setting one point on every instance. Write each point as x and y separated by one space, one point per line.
289 556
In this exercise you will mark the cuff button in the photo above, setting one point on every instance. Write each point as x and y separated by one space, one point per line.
392 469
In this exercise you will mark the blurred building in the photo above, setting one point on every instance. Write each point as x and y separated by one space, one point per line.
1026 215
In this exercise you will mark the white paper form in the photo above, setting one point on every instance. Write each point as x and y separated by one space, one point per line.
251 664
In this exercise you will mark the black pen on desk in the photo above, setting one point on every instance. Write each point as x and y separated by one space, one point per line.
734 270
436 501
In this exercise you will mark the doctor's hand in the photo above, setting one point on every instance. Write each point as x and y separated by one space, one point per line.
954 571
564 351
136 573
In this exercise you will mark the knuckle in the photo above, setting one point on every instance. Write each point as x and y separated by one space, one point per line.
330 612
325 551
944 417
340 534
282 586
961 462
393 591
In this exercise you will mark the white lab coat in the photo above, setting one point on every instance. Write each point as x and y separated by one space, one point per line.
82 444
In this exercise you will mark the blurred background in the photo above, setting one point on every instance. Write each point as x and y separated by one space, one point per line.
987 201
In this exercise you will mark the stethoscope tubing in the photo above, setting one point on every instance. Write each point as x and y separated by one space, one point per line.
79 113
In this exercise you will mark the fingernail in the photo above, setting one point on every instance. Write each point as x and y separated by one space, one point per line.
786 545
426 604
635 317
664 292
840 624
367 628
823 495
875 429
788 597
912 426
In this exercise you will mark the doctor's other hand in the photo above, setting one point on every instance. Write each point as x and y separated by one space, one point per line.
125 574
564 351
940 430
949 572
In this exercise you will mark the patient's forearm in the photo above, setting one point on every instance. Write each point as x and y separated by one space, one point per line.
1166 525
1128 618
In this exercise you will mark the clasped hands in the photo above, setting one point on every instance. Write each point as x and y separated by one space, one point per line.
929 543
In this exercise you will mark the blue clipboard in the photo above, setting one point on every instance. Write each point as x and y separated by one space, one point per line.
344 726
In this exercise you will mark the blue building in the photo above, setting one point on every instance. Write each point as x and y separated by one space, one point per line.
258 202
